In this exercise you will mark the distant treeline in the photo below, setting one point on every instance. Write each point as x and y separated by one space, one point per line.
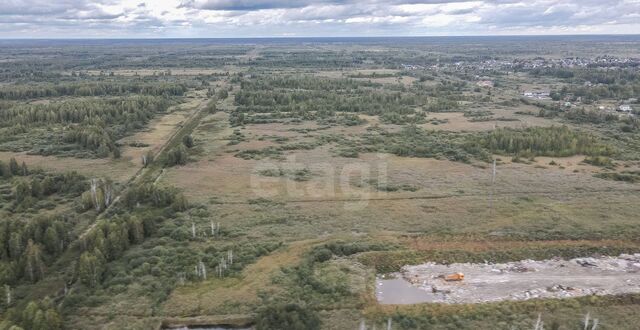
22 92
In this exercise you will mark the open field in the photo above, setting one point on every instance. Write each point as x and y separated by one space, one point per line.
224 184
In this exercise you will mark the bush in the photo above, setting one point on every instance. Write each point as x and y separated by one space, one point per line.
176 156
289 316
600 161
187 140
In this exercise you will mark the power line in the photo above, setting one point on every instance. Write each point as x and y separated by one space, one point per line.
448 196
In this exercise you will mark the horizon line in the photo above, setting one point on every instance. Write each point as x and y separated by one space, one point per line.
323 37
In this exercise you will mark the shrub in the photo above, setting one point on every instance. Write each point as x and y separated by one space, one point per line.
600 161
289 316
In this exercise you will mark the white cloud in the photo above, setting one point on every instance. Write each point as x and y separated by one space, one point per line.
236 18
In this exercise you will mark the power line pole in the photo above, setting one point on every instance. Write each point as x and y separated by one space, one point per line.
493 180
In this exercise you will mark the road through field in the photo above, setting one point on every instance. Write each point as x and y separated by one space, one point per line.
152 172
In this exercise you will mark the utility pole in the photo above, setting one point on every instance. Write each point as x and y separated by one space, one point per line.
7 290
493 180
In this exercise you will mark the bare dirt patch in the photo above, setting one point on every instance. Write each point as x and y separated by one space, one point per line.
520 280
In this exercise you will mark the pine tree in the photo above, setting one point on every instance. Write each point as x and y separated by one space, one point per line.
29 315
53 319
4 170
36 188
52 241
48 186
187 140
24 170
40 321
14 167
23 191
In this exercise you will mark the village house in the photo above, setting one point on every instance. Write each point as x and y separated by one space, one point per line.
537 94
485 83
625 108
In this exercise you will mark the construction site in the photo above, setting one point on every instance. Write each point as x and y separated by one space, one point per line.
463 283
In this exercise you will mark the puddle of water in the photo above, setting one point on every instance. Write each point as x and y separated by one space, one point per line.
398 291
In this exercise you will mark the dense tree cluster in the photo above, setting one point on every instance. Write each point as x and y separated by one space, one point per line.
591 75
28 245
122 111
156 196
589 94
92 124
26 248
553 72
41 315
263 100
555 141
581 115
109 239
44 185
413 141
7 171
177 156
304 83
107 242
289 316
23 92
591 85
31 186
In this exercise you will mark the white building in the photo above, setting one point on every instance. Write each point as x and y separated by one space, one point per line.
485 83
537 94
625 108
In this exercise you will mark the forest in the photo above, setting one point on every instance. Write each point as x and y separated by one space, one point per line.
93 125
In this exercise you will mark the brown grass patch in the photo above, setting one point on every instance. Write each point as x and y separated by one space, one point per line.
216 295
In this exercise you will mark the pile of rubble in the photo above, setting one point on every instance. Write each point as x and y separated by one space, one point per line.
526 279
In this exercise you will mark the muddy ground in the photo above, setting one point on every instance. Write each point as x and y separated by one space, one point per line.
522 280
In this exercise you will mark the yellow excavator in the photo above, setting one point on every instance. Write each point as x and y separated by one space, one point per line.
456 277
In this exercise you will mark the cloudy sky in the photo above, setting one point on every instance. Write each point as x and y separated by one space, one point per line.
266 18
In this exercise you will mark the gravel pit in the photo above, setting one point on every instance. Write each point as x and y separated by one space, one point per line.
522 280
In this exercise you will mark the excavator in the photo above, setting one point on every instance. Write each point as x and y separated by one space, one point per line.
456 277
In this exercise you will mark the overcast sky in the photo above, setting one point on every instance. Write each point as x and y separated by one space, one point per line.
277 18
